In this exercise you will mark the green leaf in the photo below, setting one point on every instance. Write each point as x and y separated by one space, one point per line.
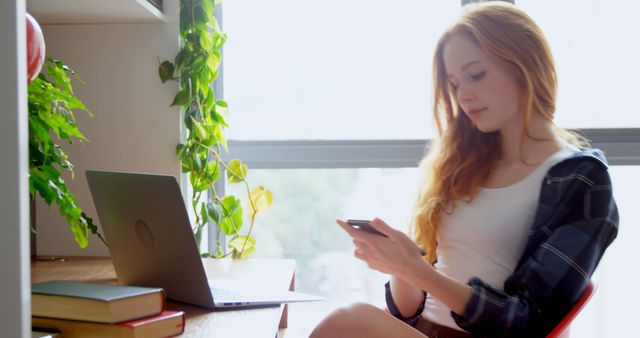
236 171
80 233
222 107
199 15
203 79
40 183
218 39
203 184
213 23
230 204
195 164
198 235
219 135
219 253
182 98
204 213
200 131
61 80
238 242
195 85
213 61
165 71
248 252
232 210
93 228
185 20
74 103
210 97
38 131
207 7
227 226
206 42
186 164
181 149
182 58
188 117
214 211
261 199
213 171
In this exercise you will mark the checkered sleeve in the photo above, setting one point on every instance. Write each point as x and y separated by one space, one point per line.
554 272
393 308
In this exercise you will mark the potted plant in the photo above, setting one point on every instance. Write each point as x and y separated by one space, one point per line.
195 68
51 120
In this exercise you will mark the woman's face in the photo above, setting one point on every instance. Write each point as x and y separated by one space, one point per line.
487 91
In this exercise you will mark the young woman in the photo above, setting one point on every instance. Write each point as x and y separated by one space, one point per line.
514 213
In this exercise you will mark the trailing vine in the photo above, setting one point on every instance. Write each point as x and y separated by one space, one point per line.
195 68
51 105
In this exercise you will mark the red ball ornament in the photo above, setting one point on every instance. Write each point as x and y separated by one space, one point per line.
35 48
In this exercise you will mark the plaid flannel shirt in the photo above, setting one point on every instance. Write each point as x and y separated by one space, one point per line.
575 222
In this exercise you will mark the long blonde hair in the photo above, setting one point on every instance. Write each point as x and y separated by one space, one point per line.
462 158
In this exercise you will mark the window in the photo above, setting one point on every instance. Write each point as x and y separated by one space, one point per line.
301 224
331 109
356 69
595 60
610 312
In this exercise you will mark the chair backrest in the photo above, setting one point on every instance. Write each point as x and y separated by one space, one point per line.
562 329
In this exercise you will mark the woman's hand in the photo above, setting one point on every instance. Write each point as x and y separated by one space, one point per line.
395 254
399 256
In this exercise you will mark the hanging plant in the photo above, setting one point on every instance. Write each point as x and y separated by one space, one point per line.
195 68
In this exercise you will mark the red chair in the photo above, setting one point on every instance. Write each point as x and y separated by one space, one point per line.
562 329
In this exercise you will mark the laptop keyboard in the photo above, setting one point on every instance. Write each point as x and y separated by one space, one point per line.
227 295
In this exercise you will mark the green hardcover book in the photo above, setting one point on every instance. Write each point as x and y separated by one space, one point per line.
103 303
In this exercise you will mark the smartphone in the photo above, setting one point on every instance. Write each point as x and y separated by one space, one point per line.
363 225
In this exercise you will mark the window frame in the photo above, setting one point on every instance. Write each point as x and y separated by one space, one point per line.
620 145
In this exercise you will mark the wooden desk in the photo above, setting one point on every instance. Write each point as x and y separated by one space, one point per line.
251 323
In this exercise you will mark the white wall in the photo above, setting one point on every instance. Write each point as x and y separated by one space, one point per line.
15 312
133 128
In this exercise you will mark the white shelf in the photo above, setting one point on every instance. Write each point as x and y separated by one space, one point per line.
94 11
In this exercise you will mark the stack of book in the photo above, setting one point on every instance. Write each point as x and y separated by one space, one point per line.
78 309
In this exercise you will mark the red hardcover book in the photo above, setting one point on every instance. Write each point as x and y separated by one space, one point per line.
165 324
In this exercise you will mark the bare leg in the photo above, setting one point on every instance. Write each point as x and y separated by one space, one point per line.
363 320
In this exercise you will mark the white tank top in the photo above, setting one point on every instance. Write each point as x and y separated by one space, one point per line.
486 237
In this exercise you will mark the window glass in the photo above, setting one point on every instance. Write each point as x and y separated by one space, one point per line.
354 69
301 225
611 311
300 69
596 59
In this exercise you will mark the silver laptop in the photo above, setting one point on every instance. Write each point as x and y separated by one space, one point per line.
146 224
